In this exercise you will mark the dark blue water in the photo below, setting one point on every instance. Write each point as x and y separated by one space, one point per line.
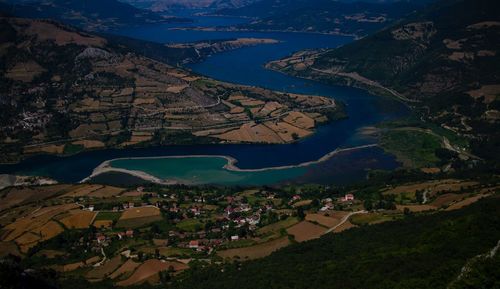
245 66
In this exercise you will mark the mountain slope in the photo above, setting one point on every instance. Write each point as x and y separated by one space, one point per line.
443 60
63 90
417 252
326 16
165 5
90 14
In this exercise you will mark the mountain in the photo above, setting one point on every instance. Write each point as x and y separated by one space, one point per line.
166 5
231 4
63 90
90 15
325 16
442 60
179 54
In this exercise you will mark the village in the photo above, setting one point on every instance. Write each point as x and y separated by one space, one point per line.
202 223
136 235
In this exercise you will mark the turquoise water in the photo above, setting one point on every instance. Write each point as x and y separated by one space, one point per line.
205 170
246 66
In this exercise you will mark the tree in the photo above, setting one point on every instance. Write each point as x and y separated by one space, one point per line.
419 196
368 204
155 229
300 213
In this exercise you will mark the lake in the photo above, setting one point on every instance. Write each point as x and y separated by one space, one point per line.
246 66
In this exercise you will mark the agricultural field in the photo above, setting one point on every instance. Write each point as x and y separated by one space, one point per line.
108 216
154 241
78 219
190 225
126 268
305 231
16 196
446 185
103 224
150 269
167 251
137 217
413 148
97 191
372 218
255 251
275 228
36 227
326 220
101 272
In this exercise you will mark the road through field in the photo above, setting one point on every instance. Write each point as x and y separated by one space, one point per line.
344 219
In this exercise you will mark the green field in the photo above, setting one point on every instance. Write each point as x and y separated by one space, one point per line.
113 216
372 218
413 148
190 225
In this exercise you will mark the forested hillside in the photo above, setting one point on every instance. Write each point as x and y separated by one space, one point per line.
443 60
90 14
326 16
417 252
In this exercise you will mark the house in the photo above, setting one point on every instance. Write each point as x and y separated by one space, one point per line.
296 198
174 209
347 197
326 207
129 233
228 211
101 239
194 244
91 208
140 189
253 220
245 208
235 238
195 210
240 221
131 205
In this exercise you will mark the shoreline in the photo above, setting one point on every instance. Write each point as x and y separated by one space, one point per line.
221 29
105 167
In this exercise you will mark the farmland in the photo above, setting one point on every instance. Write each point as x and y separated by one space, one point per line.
137 217
256 251
305 231
150 235
78 219
149 269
